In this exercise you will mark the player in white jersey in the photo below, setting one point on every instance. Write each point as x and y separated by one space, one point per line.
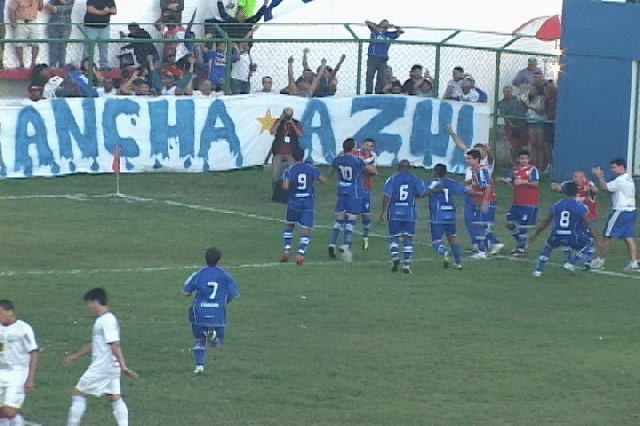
107 362
18 360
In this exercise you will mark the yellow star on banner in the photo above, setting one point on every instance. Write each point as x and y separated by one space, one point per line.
266 122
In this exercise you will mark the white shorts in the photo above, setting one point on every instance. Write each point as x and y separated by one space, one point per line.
98 384
26 31
12 396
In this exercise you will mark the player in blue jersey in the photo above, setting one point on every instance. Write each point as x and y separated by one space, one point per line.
214 289
571 228
399 208
443 214
349 169
299 180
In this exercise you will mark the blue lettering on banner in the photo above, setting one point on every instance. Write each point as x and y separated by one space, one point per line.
67 127
30 129
210 133
324 130
391 108
161 131
424 143
112 109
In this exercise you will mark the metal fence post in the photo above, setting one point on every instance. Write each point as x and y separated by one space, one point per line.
359 66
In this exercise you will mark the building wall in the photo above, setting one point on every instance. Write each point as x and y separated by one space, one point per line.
600 41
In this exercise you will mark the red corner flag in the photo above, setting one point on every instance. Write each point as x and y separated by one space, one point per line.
117 152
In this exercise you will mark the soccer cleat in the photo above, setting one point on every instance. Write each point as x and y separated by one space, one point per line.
495 249
199 369
537 273
517 253
332 251
285 257
447 259
394 265
299 260
215 342
597 263
480 255
632 266
365 243
406 269
346 254
458 266
569 267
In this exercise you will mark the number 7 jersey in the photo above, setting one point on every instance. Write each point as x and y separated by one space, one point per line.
213 287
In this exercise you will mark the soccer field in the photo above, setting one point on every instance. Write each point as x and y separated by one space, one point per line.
324 344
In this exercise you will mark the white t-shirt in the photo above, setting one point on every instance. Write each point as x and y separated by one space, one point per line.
624 192
240 69
105 331
17 341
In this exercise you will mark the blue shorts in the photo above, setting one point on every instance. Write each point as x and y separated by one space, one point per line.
349 205
480 218
619 224
524 216
439 230
365 207
201 330
576 241
303 218
402 227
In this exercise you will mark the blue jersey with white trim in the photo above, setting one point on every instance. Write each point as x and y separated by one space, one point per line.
567 217
403 188
349 169
213 287
442 208
301 177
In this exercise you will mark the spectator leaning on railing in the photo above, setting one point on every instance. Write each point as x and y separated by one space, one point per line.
141 49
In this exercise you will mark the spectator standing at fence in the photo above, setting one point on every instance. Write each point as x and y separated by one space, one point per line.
237 26
301 86
96 24
425 89
267 86
287 132
454 86
59 28
171 9
378 53
22 13
410 86
217 61
524 78
242 69
169 31
141 49
535 123
514 126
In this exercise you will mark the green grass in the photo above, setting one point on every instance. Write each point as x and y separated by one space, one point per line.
324 344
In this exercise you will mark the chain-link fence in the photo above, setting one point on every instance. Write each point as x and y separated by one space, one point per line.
492 59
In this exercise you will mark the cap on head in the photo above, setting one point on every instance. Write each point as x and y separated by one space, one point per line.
533 60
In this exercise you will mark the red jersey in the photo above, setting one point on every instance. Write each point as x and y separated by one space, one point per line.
525 195
369 158
587 196
481 179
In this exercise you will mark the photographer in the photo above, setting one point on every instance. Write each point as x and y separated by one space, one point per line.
287 132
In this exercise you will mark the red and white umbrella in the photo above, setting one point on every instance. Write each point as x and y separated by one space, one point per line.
545 28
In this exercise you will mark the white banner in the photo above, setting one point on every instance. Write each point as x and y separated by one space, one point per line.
183 134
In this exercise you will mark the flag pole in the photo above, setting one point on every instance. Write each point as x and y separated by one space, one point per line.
118 151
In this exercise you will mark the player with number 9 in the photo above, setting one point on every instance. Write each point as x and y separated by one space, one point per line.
214 289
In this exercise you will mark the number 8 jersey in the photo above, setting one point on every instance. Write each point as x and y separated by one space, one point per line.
567 218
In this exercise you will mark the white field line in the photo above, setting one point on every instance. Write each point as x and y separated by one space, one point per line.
129 198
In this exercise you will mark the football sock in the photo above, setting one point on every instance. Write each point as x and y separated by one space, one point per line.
77 409
407 251
490 236
455 248
199 351
338 226
349 227
219 334
586 254
515 231
305 239
120 412
366 226
287 236
393 248
543 257
522 238
480 236
18 420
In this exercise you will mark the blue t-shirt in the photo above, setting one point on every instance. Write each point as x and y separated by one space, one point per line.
349 169
403 188
213 287
442 208
567 217
381 49
301 177
217 65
